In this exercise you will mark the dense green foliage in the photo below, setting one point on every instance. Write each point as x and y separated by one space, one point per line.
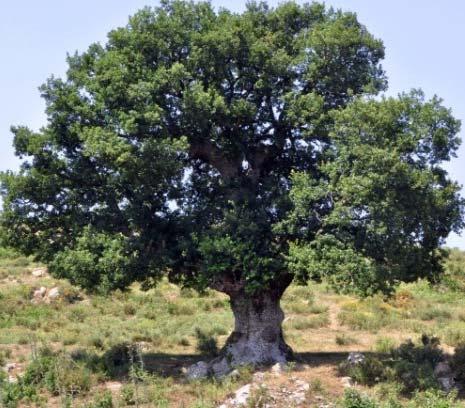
217 147
392 203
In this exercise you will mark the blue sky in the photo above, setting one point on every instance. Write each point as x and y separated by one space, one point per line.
424 42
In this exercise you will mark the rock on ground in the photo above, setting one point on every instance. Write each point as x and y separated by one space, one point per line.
198 370
240 398
355 358
39 272
54 293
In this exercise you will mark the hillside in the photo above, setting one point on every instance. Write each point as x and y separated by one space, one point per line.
61 347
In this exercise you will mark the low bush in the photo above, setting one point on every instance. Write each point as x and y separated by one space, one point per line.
410 365
369 372
434 399
206 343
102 400
354 399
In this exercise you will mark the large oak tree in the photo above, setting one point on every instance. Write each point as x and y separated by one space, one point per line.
237 152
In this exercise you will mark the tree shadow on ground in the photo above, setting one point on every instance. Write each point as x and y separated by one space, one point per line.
171 365
118 361
411 365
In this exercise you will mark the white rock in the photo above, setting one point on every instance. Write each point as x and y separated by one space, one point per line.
278 368
258 377
39 272
234 374
241 396
10 367
54 293
347 382
302 385
197 371
221 368
355 358
39 294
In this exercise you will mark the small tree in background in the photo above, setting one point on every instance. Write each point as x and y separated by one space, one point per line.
237 152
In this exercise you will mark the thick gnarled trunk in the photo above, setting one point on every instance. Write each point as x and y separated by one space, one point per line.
257 337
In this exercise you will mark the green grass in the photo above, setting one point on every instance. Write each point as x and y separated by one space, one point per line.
173 327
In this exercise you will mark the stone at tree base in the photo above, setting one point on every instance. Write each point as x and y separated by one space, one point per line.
198 371
442 369
220 368
447 383
234 374
278 368
355 358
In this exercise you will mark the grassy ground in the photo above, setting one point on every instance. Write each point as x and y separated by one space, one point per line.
129 349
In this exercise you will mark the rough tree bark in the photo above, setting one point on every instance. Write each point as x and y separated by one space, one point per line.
257 337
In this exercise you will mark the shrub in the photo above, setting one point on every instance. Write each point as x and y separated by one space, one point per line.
413 365
96 341
129 309
354 399
116 360
260 398
368 372
103 400
187 293
177 309
206 344
11 394
409 365
127 395
434 399
77 315
58 374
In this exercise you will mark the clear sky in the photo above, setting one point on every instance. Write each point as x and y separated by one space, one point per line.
424 39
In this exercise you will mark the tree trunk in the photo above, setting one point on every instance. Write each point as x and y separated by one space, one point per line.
257 337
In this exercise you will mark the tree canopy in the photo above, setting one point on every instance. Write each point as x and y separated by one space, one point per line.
230 150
